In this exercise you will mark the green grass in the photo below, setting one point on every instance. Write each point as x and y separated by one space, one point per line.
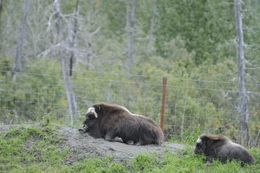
35 149
28 149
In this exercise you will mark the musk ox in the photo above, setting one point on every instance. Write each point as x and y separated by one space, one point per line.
110 121
221 148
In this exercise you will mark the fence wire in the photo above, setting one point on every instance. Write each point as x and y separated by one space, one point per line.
193 106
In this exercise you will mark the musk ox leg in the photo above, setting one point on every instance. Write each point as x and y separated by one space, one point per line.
145 141
208 160
130 142
138 143
110 136
118 139
141 142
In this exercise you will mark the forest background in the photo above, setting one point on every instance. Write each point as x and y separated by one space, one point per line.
59 57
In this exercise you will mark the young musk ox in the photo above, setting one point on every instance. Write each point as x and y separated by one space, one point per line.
222 148
110 121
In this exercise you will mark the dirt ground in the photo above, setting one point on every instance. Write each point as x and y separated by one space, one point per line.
83 145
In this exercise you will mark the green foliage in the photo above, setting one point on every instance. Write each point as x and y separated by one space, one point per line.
186 162
189 136
145 163
68 6
38 90
30 149
99 166
5 66
204 25
116 23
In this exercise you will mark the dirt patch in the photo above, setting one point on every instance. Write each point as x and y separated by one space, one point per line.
83 146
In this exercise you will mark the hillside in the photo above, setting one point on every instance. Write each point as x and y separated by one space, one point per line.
83 146
52 148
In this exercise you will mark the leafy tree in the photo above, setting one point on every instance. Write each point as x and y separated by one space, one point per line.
207 27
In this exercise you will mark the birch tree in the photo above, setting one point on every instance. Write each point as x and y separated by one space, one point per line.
70 95
1 6
72 36
20 41
152 28
243 99
85 48
130 33
1 9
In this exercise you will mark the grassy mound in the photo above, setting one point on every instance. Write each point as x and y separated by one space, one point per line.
41 149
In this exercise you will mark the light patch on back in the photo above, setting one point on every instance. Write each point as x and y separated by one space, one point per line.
199 141
138 115
236 145
124 108
92 111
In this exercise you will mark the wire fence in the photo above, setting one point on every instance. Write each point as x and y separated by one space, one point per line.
192 106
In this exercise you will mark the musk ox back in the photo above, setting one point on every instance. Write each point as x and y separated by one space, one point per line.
222 148
110 120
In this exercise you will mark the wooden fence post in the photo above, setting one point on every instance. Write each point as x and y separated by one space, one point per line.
164 82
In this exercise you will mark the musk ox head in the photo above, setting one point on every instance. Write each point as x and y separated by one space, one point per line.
204 142
91 118
200 146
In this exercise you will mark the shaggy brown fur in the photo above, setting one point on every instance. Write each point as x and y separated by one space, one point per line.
222 148
110 120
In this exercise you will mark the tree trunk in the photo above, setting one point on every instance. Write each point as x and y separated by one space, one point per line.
243 100
152 28
183 116
71 99
130 33
89 55
66 86
73 35
1 10
1 6
20 41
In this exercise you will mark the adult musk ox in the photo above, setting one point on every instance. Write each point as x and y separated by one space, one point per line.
110 120
222 148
